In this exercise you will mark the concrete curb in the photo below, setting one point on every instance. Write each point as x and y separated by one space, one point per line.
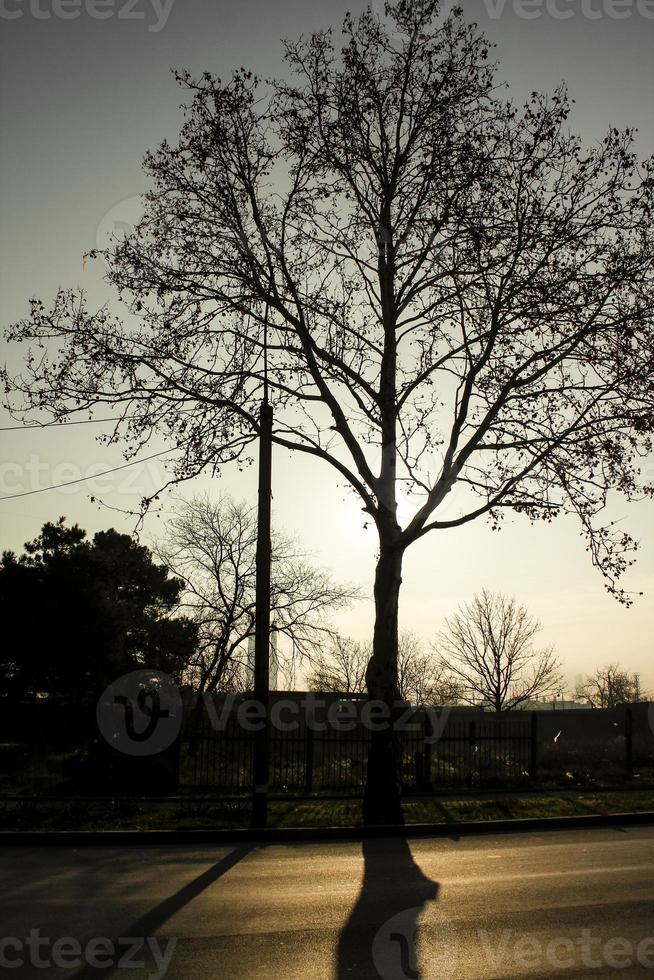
291 835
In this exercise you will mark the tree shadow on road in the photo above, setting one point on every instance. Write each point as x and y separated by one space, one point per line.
149 923
379 938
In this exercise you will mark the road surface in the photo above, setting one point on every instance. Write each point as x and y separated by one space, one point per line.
573 904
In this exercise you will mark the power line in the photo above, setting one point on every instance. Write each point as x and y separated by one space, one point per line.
48 425
83 479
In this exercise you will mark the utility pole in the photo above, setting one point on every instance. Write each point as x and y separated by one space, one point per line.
261 757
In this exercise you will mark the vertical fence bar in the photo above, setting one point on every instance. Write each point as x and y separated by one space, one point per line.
629 741
428 732
308 759
472 741
533 753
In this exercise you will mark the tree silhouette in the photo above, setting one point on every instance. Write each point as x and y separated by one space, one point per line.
421 679
459 294
610 686
488 645
78 614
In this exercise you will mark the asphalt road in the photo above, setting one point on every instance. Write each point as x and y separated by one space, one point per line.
572 903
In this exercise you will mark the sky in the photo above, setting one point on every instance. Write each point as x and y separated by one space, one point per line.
86 89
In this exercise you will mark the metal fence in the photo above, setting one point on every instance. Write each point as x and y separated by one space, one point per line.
438 750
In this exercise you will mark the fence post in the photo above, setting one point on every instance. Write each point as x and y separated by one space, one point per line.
533 755
308 759
629 741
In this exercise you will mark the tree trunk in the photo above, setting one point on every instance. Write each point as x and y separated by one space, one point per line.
381 803
383 783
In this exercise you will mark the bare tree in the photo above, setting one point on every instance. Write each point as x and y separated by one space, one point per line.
458 293
341 668
422 680
211 545
489 646
610 686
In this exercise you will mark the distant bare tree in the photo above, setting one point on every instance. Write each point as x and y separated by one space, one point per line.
489 646
609 686
342 668
211 545
421 679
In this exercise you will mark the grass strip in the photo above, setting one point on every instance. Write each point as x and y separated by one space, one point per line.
126 815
